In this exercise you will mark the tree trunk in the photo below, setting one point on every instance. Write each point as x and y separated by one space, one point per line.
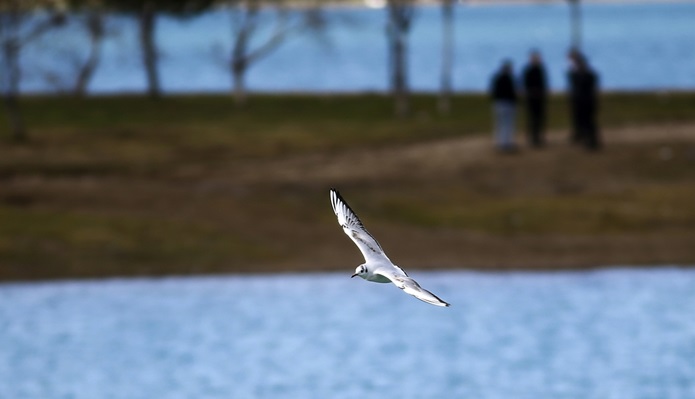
239 62
95 27
149 49
444 103
16 30
238 77
400 14
400 88
10 73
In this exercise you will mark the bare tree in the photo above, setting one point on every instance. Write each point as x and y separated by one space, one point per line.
82 55
150 55
444 103
94 23
247 17
16 31
400 16
147 12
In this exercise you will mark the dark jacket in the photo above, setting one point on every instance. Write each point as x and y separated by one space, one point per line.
502 88
584 89
535 82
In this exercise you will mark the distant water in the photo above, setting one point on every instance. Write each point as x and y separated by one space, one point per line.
633 46
614 334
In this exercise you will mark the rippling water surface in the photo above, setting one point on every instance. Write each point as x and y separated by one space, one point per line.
618 333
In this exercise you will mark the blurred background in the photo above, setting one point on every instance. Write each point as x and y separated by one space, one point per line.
166 231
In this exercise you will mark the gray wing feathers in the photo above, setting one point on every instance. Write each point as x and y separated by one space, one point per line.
353 227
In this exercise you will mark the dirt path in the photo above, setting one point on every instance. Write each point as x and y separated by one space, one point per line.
429 158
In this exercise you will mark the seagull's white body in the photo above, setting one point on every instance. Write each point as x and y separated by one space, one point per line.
378 267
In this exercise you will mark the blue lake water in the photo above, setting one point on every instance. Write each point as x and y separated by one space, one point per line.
640 46
617 333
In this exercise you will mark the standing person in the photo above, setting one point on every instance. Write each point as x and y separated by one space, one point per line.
583 85
503 94
536 93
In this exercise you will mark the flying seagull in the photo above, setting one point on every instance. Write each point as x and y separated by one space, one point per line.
378 267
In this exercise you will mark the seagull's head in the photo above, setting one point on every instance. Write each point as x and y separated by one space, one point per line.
360 271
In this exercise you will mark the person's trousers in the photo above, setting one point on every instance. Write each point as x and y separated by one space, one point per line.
505 119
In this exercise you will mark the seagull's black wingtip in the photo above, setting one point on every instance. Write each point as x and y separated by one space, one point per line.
340 197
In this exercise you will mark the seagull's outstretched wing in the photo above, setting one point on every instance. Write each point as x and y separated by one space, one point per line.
410 286
352 226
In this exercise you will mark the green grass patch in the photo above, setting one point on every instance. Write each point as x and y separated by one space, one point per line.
48 244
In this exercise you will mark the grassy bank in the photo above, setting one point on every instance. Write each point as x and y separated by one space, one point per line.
129 186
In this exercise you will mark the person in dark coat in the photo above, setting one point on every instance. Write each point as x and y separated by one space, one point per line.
583 85
536 93
504 98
